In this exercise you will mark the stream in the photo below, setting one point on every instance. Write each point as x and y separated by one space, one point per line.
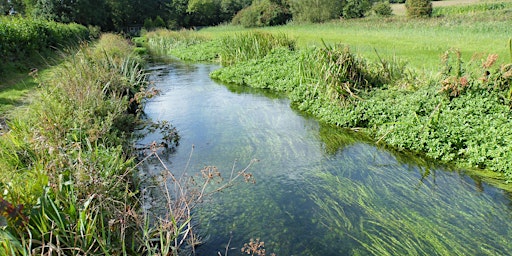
318 190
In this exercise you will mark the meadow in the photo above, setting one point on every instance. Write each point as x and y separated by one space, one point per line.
437 87
474 29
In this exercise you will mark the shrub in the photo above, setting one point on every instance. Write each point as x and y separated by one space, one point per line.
21 38
382 9
315 11
159 22
262 13
148 24
418 8
355 8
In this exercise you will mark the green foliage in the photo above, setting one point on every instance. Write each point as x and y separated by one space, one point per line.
277 71
204 12
22 37
148 24
64 158
315 11
356 8
261 13
418 8
184 44
159 22
382 9
232 7
251 45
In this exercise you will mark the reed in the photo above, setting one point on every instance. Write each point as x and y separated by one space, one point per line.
251 45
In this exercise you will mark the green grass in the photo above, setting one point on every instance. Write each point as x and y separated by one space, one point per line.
418 42
63 157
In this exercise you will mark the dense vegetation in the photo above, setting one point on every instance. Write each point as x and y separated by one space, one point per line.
459 115
121 15
65 170
20 38
68 176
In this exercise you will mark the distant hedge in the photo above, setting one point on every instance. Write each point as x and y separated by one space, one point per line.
22 37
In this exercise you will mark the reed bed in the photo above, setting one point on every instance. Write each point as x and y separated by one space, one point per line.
251 45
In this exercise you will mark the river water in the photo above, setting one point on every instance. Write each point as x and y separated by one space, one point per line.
319 190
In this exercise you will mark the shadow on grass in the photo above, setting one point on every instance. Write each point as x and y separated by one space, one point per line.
14 91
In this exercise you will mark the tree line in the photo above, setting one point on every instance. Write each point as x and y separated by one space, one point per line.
114 15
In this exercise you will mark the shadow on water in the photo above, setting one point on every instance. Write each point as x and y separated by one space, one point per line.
319 190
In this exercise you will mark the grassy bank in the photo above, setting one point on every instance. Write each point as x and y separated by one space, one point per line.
403 83
67 175
70 180
28 45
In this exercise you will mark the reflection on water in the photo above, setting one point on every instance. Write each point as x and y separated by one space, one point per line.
319 190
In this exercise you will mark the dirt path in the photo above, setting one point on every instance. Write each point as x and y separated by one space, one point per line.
399 9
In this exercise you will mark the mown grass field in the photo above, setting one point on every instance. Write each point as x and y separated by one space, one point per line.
476 32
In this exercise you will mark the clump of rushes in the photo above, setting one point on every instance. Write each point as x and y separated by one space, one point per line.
251 45
162 42
65 171
342 75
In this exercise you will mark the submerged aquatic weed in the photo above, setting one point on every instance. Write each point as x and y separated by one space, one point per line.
373 208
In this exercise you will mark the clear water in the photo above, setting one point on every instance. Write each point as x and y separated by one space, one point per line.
318 190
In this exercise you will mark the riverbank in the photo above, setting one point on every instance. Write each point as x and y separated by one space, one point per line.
68 175
452 114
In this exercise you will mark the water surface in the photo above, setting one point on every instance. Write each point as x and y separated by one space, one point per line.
319 190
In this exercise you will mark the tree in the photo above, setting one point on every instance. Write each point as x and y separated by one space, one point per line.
204 12
159 22
355 8
231 7
177 11
418 8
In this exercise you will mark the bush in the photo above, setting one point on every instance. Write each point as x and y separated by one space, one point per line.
148 24
20 37
355 8
159 22
315 11
382 9
418 8
262 13
252 45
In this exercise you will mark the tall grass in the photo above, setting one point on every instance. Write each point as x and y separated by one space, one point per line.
418 42
161 42
339 74
251 45
69 183
63 157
